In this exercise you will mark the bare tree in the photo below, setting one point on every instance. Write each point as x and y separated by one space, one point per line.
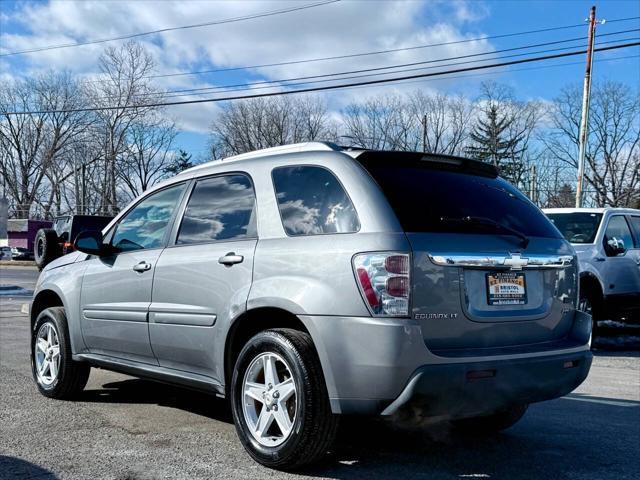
123 83
147 155
34 143
613 147
380 123
269 122
444 121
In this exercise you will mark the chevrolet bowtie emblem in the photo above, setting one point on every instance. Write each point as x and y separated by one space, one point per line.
515 261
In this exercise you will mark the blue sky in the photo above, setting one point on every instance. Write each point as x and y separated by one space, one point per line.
349 26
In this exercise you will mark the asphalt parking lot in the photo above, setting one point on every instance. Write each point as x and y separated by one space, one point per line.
126 428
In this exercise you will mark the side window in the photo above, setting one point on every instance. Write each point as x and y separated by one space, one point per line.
146 224
618 233
635 224
220 208
312 202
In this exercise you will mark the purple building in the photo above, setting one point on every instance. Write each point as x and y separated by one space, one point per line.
22 233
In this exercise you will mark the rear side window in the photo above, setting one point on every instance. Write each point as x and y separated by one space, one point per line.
312 202
145 225
220 208
432 197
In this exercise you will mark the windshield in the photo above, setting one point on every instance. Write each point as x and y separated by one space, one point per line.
429 196
577 227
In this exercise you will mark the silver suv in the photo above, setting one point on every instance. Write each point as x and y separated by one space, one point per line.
607 241
309 281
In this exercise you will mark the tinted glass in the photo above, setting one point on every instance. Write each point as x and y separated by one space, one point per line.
434 198
619 229
635 223
146 225
312 201
220 208
578 227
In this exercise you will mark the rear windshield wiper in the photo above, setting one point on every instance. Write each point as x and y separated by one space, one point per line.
489 222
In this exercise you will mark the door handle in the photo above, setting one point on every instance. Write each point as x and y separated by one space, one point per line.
230 259
142 267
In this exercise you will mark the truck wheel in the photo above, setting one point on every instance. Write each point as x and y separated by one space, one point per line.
279 400
591 302
493 423
46 247
56 374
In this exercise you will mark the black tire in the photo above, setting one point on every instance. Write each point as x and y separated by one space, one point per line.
71 376
46 247
493 423
314 426
591 303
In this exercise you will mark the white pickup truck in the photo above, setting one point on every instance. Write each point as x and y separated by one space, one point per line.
607 241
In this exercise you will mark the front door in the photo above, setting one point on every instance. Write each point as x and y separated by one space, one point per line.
621 273
203 278
116 289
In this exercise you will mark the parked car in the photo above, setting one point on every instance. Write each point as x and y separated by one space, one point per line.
6 253
607 241
51 243
20 253
308 281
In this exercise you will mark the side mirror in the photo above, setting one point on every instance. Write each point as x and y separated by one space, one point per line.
615 246
91 242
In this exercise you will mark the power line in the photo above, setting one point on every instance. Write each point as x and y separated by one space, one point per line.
380 52
331 87
269 83
168 29
539 67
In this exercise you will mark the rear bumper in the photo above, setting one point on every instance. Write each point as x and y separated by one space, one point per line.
375 365
463 390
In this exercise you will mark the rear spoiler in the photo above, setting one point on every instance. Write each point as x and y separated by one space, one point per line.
428 160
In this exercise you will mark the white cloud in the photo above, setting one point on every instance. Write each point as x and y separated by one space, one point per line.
336 29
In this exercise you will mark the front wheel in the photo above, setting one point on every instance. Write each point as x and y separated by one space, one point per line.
491 423
56 374
279 400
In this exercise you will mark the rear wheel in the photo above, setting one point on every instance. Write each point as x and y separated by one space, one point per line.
493 423
46 247
279 400
56 374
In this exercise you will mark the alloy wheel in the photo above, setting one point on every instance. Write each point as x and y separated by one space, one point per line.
47 354
270 400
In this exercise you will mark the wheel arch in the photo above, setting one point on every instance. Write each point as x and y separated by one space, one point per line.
44 299
591 281
248 324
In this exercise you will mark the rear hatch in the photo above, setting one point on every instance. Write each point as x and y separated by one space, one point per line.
489 273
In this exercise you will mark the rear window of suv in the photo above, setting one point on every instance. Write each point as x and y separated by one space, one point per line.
435 196
312 201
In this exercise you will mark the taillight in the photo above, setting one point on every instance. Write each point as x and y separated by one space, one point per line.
383 278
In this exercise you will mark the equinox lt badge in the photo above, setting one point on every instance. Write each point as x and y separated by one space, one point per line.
429 316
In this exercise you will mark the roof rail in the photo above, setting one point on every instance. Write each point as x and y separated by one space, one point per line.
266 152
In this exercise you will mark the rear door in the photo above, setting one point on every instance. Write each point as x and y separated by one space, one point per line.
489 269
116 289
202 280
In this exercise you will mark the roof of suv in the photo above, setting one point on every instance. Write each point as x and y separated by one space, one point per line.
353 152
591 210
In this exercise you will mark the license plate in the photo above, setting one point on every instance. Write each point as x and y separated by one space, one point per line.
506 288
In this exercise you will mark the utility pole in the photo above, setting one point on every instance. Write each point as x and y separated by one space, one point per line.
424 133
584 121
533 190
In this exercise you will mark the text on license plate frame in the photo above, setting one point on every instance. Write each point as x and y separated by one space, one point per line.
512 284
